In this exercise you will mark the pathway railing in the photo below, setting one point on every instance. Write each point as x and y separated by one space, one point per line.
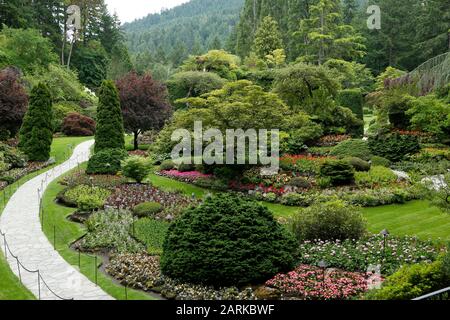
443 294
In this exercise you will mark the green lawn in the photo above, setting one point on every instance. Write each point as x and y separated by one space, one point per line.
416 218
67 232
10 286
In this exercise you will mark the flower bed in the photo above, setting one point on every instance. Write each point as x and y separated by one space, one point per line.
302 164
79 177
127 196
312 283
332 140
142 271
139 153
13 175
359 255
190 176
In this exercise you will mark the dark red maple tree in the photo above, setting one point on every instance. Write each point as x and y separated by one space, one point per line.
144 103
13 100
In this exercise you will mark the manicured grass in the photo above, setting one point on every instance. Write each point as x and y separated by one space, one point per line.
186 188
416 218
10 286
55 219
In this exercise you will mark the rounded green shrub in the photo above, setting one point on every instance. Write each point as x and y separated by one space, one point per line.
334 220
300 182
184 167
358 164
227 240
352 148
136 168
339 172
87 198
380 161
167 165
147 209
394 146
107 161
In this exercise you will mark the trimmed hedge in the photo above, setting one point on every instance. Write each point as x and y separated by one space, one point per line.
352 148
147 209
107 161
339 172
394 146
227 241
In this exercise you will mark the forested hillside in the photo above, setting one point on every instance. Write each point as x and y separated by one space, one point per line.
192 28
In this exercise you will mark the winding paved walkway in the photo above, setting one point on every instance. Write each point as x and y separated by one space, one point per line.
21 224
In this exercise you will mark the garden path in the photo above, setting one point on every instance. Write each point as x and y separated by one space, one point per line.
21 224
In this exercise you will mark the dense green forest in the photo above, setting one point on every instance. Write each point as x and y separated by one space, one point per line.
165 39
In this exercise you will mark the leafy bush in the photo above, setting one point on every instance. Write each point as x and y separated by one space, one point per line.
13 157
111 230
352 148
339 172
380 161
358 164
394 146
167 165
376 177
296 199
329 221
354 100
136 168
412 282
183 167
227 240
87 198
60 111
147 209
77 125
107 161
152 233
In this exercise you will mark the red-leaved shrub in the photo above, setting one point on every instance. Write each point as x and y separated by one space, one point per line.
76 124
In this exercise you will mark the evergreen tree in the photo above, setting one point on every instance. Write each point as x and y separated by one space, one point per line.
215 44
110 133
36 134
267 38
350 8
327 37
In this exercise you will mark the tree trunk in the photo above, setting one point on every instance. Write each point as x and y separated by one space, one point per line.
136 143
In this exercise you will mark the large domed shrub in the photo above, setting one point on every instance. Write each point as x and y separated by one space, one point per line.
227 241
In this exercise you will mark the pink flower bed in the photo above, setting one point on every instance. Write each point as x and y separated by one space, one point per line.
308 282
190 176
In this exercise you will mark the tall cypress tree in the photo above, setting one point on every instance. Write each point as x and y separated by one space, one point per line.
36 134
110 133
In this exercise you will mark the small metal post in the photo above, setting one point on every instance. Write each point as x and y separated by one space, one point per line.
39 284
79 259
18 268
96 269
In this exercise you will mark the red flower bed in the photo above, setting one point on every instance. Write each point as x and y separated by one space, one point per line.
190 176
311 283
234 185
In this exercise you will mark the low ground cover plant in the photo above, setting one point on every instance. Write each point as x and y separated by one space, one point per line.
152 233
86 198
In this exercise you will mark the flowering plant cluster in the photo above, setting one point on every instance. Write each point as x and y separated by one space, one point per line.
302 164
190 176
312 283
79 177
127 196
332 140
359 255
11 176
139 153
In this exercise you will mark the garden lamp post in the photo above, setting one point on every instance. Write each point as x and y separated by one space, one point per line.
91 180
323 265
385 233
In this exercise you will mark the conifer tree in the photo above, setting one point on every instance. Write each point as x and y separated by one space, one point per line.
110 133
36 134
267 38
